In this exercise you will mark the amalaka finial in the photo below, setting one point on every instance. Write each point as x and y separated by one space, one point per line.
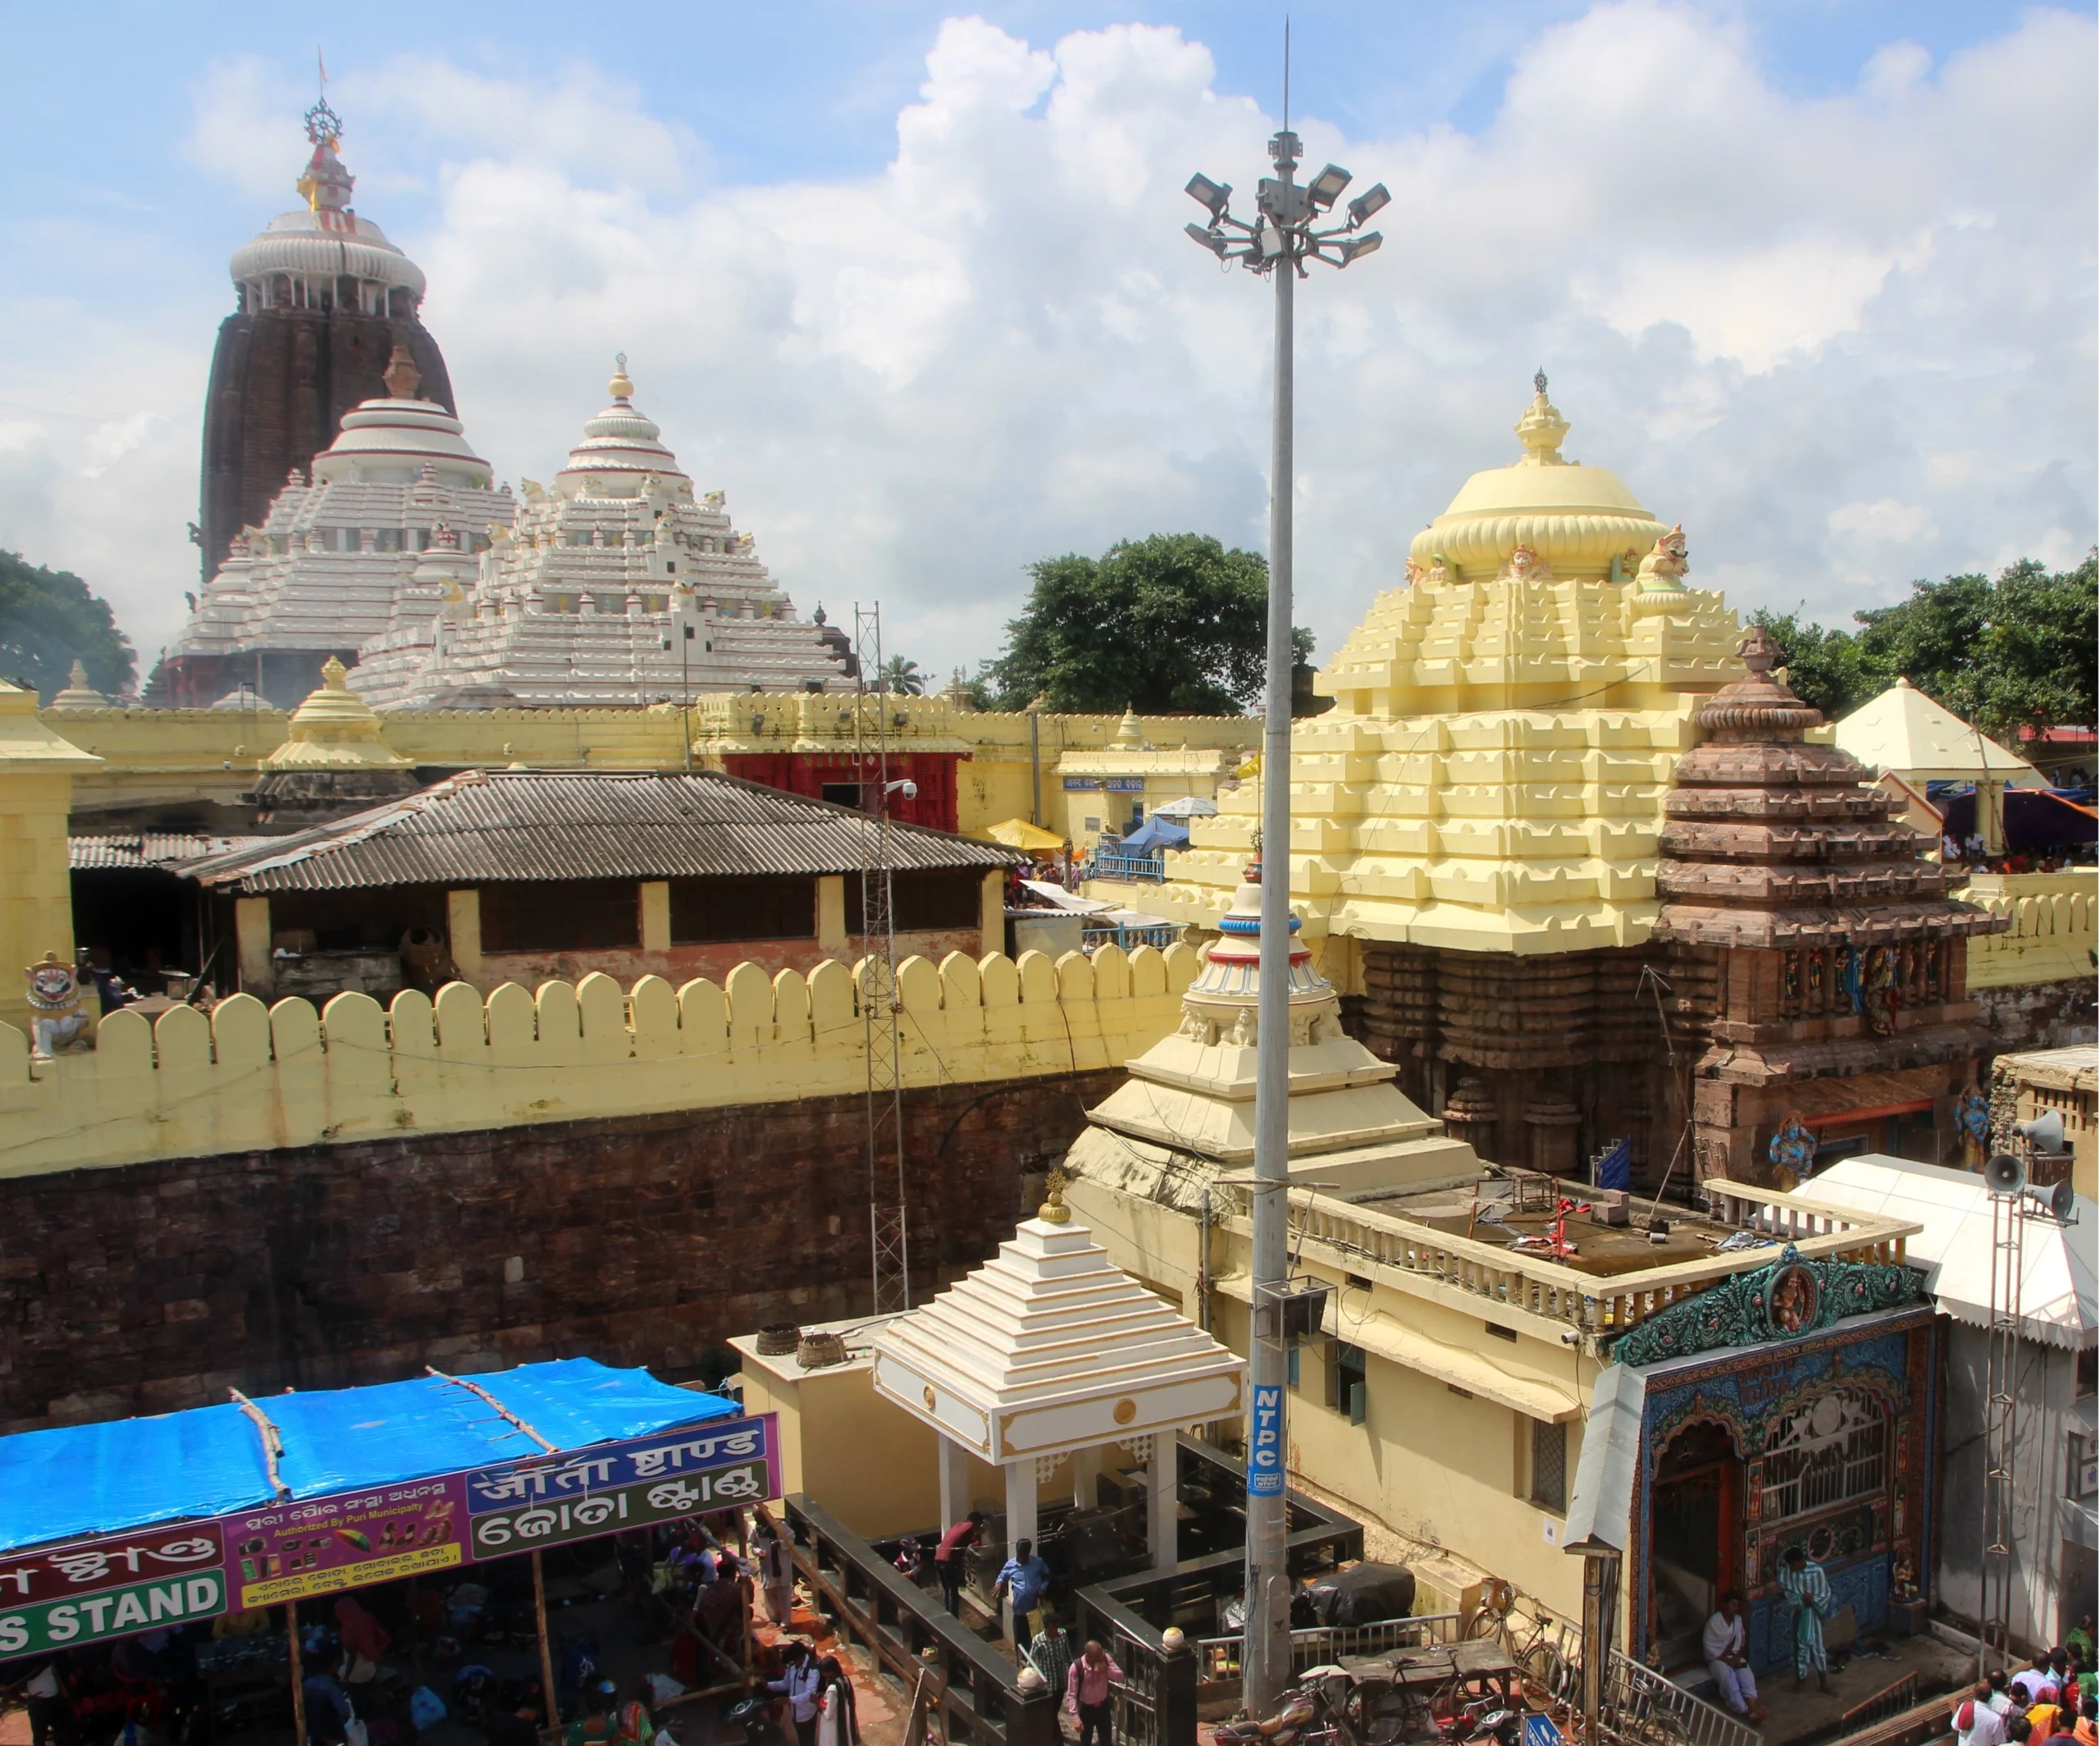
1053 1211
1759 652
333 674
621 387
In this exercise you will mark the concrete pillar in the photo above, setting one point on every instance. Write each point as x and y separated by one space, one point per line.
1163 1490
955 1480
991 913
655 916
831 915
1086 1473
1021 1525
463 924
251 938
37 767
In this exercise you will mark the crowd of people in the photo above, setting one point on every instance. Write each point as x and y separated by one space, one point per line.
2055 1702
382 1666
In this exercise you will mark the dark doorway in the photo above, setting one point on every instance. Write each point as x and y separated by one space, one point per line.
1698 1531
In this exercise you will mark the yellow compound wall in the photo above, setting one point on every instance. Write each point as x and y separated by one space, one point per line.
251 1076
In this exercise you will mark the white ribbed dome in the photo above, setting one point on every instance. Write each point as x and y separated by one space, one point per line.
620 447
394 439
299 243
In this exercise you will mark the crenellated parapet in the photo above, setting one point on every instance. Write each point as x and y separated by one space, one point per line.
251 1077
2053 938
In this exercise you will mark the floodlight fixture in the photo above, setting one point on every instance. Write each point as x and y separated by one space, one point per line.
1348 248
1325 188
1373 199
1209 194
1214 240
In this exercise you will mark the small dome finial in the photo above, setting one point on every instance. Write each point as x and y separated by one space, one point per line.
1541 429
621 387
335 676
1053 1210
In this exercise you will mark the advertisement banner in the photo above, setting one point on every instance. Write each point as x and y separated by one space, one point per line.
558 1521
1265 1444
287 1551
110 1586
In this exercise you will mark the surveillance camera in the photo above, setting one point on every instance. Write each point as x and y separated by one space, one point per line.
911 791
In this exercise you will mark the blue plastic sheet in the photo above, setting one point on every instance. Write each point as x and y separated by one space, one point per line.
132 1473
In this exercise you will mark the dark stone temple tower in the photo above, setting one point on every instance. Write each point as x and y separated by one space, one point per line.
324 299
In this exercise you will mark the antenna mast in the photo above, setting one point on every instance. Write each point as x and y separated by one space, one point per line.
888 1242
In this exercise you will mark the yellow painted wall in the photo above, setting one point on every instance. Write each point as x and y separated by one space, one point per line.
36 891
252 1077
1426 1461
2052 936
865 1459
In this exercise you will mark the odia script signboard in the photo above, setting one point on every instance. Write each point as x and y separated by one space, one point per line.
603 1490
344 1540
111 1586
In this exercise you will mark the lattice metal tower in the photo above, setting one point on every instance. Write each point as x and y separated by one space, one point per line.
888 1232
2001 1431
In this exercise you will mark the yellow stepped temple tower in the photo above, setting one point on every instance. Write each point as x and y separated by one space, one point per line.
1492 777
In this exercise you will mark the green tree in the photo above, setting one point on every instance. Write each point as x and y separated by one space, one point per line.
2016 652
1825 667
50 619
902 677
1174 622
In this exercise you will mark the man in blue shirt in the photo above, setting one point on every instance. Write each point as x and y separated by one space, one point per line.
1023 1579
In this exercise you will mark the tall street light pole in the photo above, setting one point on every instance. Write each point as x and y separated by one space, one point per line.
1287 234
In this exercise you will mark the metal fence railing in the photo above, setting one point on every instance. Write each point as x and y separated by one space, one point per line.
1092 938
1218 1658
1150 868
1639 1704
909 1634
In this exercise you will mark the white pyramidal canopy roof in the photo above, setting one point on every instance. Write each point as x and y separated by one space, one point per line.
2058 1303
1049 1347
1905 731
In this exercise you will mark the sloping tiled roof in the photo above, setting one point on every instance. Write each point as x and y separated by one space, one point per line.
481 827
149 850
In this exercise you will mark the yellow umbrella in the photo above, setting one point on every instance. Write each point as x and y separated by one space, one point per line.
1019 834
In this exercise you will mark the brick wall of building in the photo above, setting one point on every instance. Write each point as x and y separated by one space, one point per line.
640 1240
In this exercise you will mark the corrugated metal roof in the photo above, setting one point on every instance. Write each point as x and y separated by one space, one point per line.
149 850
481 827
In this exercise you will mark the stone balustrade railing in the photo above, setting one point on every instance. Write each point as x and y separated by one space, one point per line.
1362 1239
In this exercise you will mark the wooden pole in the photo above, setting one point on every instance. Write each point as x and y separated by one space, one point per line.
298 1677
550 1706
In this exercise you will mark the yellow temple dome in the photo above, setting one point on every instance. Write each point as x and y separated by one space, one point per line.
1572 520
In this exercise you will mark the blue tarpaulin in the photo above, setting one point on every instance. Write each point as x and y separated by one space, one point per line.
131 1473
1155 833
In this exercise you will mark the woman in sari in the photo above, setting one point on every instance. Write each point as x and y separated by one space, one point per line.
1807 1591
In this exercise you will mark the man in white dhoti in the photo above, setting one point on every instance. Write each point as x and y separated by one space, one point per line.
1726 1641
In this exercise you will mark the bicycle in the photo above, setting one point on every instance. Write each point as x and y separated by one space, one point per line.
1542 1656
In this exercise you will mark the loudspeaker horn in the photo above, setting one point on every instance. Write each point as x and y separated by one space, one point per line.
2045 1133
2063 1203
2004 1174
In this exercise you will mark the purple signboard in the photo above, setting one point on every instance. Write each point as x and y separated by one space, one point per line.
286 1552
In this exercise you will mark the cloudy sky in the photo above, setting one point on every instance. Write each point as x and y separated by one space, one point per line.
1816 276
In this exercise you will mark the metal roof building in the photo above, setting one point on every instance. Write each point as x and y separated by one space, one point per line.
490 826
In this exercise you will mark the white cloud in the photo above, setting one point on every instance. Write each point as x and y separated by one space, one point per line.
1847 341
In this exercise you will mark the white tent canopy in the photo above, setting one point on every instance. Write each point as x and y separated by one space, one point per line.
1903 730
2059 1303
1188 806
